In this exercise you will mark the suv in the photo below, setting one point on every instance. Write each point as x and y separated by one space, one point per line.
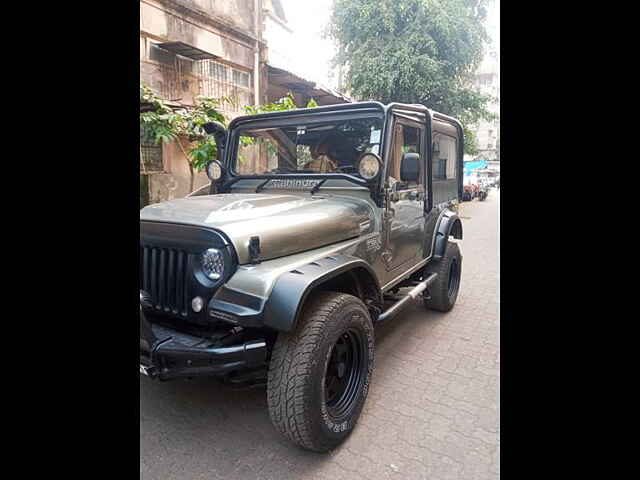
279 270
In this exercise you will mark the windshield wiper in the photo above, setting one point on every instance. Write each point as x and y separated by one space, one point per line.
278 170
317 186
262 185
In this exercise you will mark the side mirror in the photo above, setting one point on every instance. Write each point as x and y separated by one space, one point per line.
410 167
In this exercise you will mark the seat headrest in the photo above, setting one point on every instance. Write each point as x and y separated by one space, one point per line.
410 167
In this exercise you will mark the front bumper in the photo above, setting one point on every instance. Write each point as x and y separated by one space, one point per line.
167 354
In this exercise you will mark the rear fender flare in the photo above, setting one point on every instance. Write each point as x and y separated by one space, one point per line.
450 225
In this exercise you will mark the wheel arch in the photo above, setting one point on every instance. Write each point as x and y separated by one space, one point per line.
449 225
340 273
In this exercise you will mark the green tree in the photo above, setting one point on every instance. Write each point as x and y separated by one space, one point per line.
165 124
181 125
414 51
285 103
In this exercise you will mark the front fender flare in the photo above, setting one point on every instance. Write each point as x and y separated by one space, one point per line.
450 224
292 288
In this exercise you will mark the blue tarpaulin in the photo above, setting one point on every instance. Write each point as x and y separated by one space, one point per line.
468 166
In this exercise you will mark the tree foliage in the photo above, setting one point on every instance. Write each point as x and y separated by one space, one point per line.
285 103
165 124
414 51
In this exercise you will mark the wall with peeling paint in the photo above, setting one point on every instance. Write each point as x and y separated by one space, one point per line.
224 28
210 29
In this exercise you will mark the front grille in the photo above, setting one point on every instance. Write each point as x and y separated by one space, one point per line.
164 277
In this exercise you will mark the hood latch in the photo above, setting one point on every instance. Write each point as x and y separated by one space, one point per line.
254 250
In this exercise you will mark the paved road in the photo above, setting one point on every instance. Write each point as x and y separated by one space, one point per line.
432 411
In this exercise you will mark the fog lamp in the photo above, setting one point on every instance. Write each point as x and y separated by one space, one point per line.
369 166
197 303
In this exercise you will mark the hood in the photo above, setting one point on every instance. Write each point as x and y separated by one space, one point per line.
286 224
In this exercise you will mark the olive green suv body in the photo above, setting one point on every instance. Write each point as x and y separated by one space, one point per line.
313 222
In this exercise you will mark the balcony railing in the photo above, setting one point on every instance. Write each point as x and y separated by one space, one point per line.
184 81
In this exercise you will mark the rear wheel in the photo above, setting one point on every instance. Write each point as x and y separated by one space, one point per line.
319 373
443 292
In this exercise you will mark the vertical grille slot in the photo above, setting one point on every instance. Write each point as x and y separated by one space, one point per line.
181 297
171 291
164 273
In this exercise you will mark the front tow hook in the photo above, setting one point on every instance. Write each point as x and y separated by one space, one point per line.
148 371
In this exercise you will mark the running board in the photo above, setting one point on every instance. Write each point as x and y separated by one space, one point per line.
415 291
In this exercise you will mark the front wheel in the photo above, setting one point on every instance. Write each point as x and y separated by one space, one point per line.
443 292
320 373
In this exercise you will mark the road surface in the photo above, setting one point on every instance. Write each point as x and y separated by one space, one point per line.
432 411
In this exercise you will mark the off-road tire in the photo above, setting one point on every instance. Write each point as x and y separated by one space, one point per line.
442 297
296 386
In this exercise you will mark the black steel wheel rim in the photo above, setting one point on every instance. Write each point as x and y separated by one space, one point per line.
454 278
345 374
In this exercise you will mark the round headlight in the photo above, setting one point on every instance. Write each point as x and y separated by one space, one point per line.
213 264
214 171
369 166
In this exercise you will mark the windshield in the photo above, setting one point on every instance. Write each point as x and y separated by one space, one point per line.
330 147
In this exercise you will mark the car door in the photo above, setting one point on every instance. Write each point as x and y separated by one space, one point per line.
444 179
406 200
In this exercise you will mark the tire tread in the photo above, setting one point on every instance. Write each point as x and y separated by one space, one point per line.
291 366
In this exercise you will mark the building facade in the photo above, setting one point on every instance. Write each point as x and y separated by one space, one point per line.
237 49
192 48
487 81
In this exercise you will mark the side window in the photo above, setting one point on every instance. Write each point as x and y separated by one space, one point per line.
445 154
406 139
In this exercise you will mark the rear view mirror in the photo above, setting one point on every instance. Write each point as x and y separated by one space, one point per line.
410 167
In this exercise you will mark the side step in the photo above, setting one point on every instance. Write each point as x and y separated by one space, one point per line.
413 293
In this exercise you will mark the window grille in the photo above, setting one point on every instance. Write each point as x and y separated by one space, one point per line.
151 153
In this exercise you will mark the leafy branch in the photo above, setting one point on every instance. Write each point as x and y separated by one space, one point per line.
165 124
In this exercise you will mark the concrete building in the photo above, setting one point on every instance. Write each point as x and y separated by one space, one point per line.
487 81
278 35
191 48
232 48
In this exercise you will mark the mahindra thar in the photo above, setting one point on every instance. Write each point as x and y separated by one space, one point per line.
278 271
